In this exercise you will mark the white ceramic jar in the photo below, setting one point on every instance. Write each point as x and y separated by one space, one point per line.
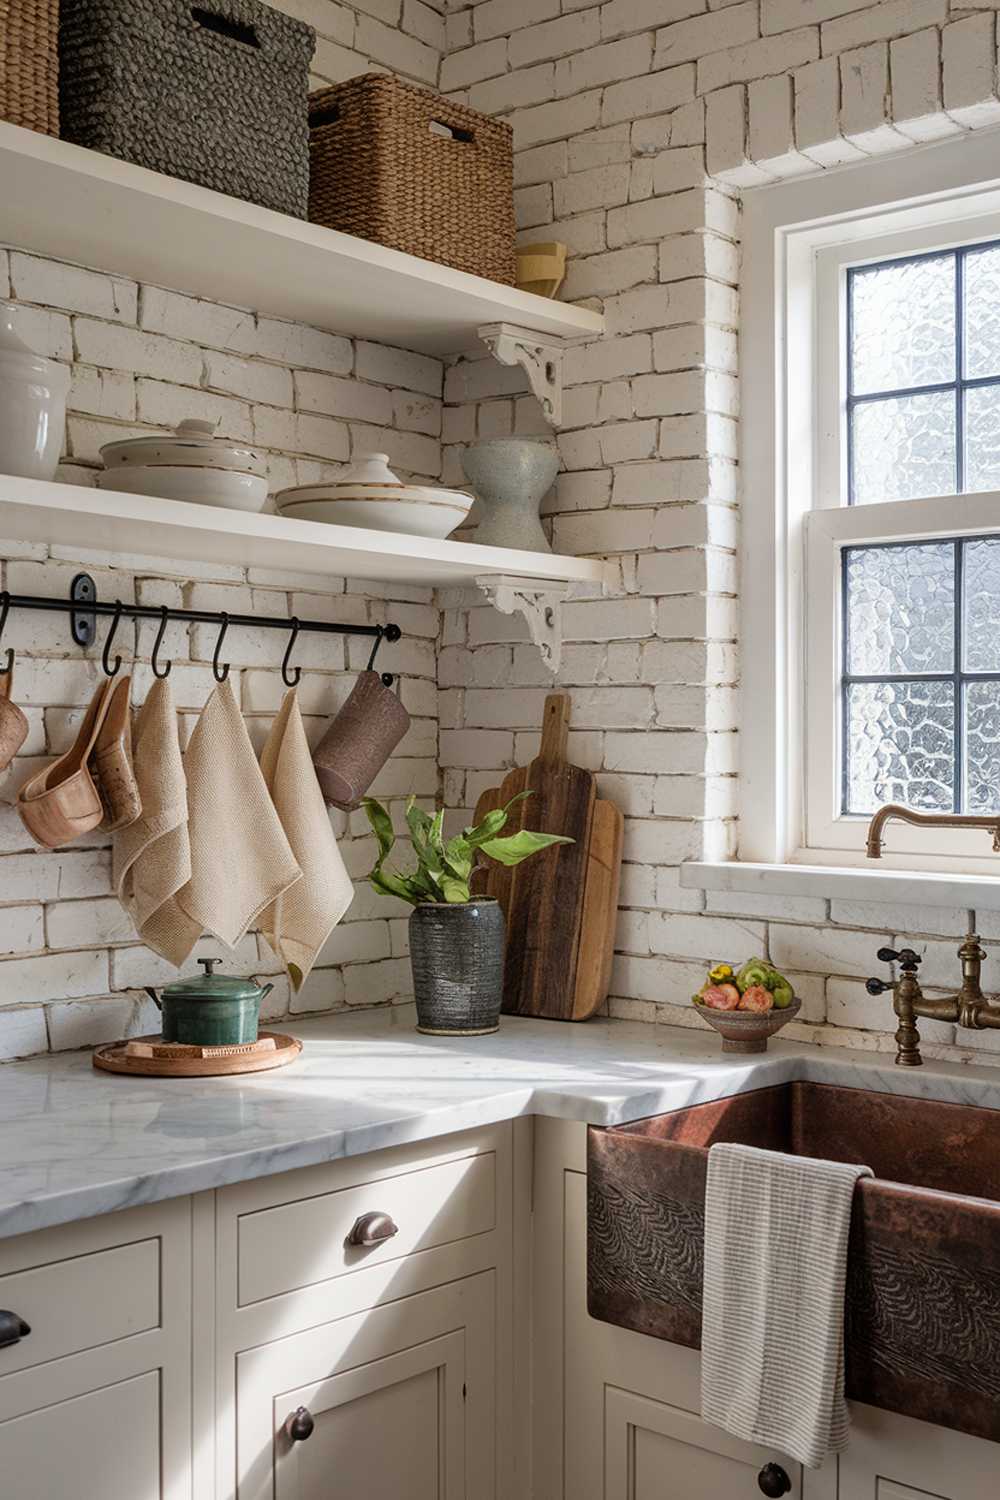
33 395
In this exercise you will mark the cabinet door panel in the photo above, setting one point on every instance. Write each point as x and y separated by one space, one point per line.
104 1444
656 1452
392 1428
892 1457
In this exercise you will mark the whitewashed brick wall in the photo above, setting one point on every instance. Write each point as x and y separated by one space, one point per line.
636 124
71 970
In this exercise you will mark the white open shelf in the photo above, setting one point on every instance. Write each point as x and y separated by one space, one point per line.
78 205
73 515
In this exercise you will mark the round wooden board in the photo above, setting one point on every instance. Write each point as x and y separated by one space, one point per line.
114 1058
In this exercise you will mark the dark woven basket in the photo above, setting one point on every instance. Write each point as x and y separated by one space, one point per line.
29 64
399 164
215 93
456 953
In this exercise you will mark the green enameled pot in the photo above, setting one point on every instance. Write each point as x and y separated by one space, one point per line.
210 1010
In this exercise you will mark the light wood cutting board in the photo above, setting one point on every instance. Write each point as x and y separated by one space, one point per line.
561 905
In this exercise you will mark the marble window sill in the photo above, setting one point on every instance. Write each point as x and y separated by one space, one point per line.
974 892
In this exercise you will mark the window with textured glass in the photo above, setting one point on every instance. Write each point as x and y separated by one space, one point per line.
921 675
923 375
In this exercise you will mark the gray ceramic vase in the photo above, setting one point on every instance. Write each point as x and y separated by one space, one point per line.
456 953
510 477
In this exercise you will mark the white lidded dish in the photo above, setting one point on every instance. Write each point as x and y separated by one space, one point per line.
370 495
190 463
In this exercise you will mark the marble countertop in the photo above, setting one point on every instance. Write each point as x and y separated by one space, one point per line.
76 1142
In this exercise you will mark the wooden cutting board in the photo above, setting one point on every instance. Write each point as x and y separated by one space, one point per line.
561 905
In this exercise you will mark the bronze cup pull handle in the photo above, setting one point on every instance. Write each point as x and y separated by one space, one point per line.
372 1229
13 1328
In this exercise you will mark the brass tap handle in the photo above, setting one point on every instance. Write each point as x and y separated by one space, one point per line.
877 986
908 961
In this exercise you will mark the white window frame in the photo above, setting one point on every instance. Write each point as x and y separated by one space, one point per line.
798 238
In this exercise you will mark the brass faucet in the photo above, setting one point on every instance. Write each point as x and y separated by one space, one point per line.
969 1007
893 810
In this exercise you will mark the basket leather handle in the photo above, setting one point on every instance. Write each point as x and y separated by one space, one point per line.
227 26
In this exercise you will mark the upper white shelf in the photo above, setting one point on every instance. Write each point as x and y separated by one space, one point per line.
64 201
109 521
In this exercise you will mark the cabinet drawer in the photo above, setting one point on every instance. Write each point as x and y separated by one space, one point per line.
81 1302
296 1245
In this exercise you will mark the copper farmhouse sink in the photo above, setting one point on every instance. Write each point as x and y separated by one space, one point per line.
923 1297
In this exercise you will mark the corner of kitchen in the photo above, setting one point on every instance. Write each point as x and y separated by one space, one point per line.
498 644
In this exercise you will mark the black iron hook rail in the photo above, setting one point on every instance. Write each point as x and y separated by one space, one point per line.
83 605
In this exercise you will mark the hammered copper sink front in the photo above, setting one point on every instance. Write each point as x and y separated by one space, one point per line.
923 1295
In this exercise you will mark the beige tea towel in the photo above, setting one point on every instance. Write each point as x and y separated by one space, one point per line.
772 1331
152 857
241 861
300 921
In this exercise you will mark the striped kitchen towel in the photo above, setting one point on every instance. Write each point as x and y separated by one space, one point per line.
776 1230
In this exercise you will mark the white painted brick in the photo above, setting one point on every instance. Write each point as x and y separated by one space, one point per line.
608 359
165 405
915 70
556 121
541 164
88 924
785 15
677 214
306 348
53 284
253 379
821 950
141 353
670 895
498 17
387 983
102 393
354 943
484 60
757 59
609 63
394 50
688 617
533 205
602 532
713 939
334 397
881 22
423 22
726 138
620 17
601 187
476 748
771 136
416 372
563 37
607 620
677 169
22 1031
697 300
968 56
691 39
661 90
600 148
57 976
864 76
817 114
201 322
21 928
496 96
887 918
322 992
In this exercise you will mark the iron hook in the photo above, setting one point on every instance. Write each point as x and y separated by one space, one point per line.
112 671
4 612
220 676
159 671
380 632
290 677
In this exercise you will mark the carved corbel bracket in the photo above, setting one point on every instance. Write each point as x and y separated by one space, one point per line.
539 601
541 358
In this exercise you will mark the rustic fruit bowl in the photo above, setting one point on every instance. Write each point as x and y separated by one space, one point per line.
748 1030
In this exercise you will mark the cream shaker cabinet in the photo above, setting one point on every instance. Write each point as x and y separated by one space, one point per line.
398 1402
892 1457
95 1401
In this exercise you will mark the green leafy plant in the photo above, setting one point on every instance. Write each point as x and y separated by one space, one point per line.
444 866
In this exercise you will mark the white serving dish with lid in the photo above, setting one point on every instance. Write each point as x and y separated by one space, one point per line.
369 494
190 463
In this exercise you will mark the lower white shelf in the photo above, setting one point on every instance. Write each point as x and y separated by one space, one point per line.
109 521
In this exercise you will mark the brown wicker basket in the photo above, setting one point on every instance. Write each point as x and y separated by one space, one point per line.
403 166
29 64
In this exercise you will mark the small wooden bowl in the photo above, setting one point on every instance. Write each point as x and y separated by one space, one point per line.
541 268
748 1030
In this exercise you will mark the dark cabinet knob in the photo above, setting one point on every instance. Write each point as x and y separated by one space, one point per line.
299 1425
13 1328
372 1229
772 1480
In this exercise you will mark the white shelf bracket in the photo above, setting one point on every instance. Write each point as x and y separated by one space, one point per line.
539 602
541 358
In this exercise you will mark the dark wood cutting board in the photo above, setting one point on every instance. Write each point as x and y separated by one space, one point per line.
561 905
